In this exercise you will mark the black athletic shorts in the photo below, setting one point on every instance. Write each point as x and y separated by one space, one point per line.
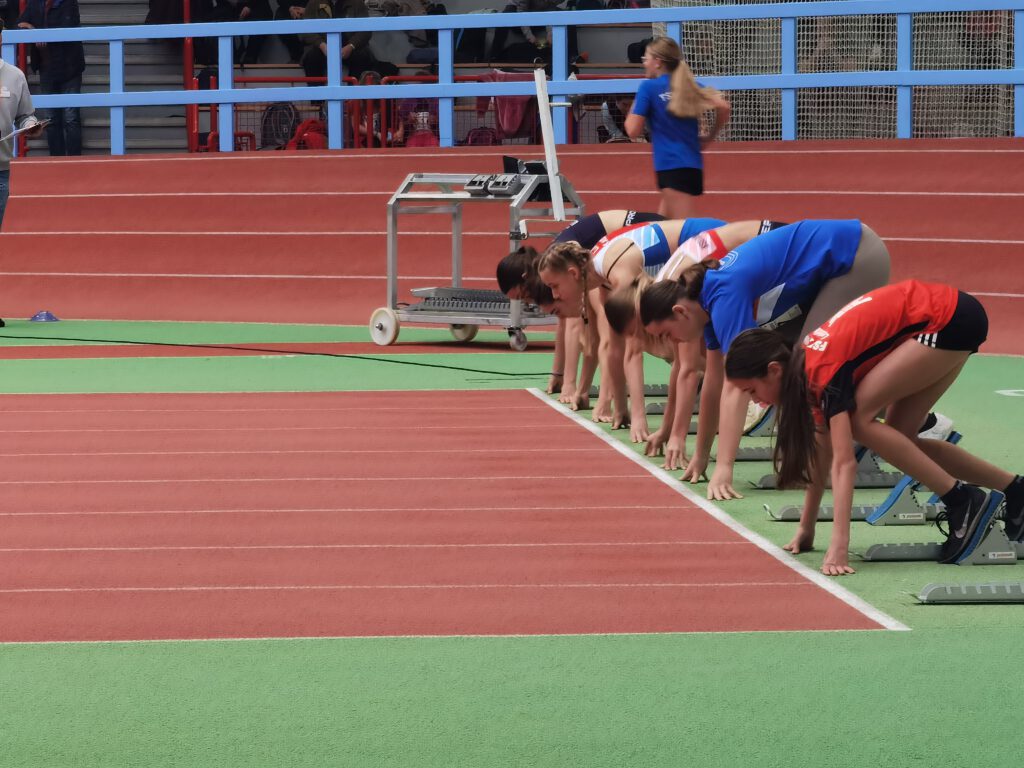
688 180
639 217
966 330
768 226
588 230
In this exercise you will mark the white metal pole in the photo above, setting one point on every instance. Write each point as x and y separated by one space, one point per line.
548 135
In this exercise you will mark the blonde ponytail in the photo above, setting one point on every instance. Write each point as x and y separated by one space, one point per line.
688 98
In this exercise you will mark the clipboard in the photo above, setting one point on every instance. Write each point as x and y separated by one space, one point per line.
19 131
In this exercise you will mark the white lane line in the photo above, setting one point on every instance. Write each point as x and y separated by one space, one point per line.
233 276
342 510
357 408
195 275
446 156
383 233
506 545
710 193
110 430
313 479
254 232
810 193
354 587
829 585
402 451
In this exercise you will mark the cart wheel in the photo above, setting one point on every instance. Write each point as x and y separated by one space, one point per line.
384 326
464 332
517 340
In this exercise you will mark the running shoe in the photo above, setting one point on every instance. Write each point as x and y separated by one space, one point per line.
758 417
1013 518
935 427
966 524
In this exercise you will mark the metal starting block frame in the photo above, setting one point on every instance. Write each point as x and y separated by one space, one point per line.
869 473
460 309
765 426
754 453
650 390
994 548
900 507
989 592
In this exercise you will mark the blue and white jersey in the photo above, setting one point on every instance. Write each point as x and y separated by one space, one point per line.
652 241
775 277
693 227
675 140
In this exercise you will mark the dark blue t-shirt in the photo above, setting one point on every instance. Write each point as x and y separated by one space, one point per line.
775 277
675 140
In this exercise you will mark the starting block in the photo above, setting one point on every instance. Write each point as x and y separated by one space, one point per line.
763 427
994 548
754 453
959 594
869 473
899 508
658 409
650 390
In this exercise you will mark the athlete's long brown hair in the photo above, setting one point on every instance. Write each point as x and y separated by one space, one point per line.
657 300
795 453
623 305
517 268
688 98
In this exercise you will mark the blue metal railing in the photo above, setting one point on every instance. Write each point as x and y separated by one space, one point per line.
788 80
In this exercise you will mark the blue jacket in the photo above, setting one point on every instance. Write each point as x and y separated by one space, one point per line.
55 62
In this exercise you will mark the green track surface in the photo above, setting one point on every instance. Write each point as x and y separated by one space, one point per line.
940 695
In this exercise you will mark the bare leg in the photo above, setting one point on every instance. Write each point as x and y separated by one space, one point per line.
676 204
910 380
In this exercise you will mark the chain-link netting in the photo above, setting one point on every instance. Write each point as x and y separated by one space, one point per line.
953 40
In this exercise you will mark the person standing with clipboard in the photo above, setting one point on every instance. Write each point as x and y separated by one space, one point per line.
672 101
16 112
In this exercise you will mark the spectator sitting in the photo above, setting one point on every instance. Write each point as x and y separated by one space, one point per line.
291 9
537 38
356 55
371 111
251 46
613 118
417 123
60 67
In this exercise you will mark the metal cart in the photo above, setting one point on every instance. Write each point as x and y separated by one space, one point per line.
465 310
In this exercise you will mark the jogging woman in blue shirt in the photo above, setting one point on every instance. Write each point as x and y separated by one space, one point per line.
673 102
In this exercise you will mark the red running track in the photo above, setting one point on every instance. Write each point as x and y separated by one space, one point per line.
303 237
130 517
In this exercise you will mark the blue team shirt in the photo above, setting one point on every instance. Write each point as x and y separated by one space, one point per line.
775 277
675 140
694 227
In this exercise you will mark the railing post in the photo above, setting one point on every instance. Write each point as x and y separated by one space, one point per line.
789 102
1018 64
335 134
226 78
674 31
117 142
445 75
904 63
559 73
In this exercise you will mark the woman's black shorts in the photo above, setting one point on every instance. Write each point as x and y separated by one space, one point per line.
588 230
966 330
688 180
